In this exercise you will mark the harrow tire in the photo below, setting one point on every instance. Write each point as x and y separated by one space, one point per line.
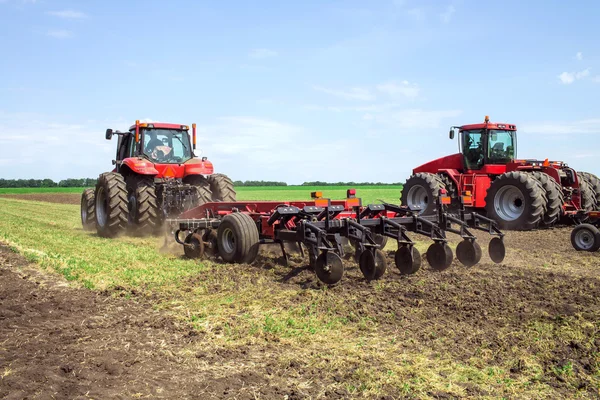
144 213
516 201
88 211
237 238
554 196
221 187
421 192
439 256
111 205
468 253
329 268
594 185
407 259
585 237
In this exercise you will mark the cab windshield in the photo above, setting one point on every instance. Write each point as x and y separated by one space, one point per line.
495 147
169 146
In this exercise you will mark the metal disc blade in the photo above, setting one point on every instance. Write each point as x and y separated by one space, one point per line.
497 250
196 246
439 256
329 268
468 252
366 263
408 260
380 264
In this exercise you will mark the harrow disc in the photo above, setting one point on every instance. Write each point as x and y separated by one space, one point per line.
439 256
372 264
408 260
497 250
329 268
468 252
210 242
196 246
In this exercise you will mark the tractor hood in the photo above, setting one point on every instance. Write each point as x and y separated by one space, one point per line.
454 161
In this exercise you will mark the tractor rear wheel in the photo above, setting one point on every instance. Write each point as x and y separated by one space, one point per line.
237 238
516 201
221 187
588 196
594 183
144 213
202 186
420 192
111 205
88 213
554 196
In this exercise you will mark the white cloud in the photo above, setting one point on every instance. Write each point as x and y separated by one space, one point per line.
585 126
403 88
59 33
67 14
569 77
579 56
355 93
262 53
446 16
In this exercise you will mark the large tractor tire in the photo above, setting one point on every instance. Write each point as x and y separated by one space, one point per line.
452 191
221 187
111 205
203 192
144 213
237 238
594 185
420 192
554 196
88 212
516 201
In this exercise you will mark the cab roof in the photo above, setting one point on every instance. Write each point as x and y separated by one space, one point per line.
160 125
489 125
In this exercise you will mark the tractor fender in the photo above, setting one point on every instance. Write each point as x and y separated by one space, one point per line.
198 167
140 166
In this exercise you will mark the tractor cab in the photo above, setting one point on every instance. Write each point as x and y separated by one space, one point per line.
486 144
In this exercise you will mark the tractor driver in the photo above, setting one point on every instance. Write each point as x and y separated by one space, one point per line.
152 143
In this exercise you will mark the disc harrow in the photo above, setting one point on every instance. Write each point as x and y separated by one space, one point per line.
321 227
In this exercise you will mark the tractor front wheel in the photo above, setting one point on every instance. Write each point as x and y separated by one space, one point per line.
111 205
420 192
516 201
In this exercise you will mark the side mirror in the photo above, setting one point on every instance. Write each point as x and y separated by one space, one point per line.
114 162
451 133
109 133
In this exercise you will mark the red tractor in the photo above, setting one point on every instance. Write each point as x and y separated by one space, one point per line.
485 175
156 176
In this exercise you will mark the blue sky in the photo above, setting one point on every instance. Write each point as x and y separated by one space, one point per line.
296 91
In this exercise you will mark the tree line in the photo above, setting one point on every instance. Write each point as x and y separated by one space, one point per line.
89 182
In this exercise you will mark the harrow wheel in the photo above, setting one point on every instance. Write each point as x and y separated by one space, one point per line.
237 238
468 252
329 268
585 237
373 264
408 259
196 246
497 250
439 256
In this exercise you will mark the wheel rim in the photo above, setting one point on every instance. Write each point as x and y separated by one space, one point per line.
584 239
417 198
509 203
228 241
101 206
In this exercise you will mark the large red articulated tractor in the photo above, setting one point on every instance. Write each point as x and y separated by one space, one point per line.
156 176
519 194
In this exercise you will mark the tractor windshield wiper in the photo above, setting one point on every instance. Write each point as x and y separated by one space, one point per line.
180 141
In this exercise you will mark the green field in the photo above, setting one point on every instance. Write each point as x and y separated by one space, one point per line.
369 194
